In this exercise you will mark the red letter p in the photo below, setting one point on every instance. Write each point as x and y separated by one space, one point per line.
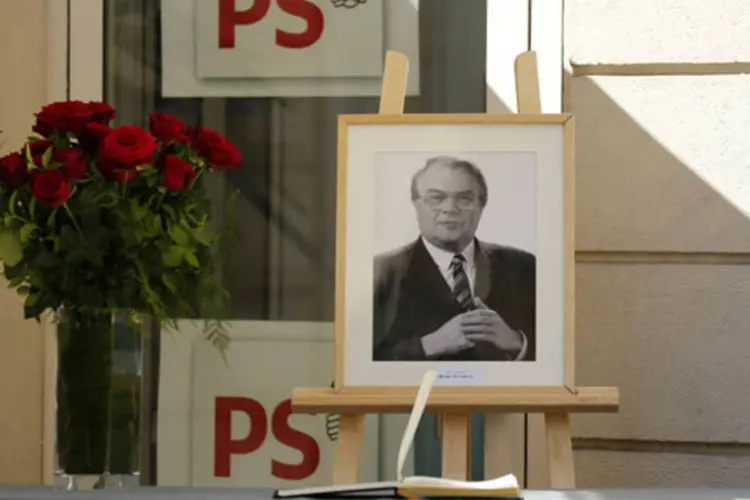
230 17
224 445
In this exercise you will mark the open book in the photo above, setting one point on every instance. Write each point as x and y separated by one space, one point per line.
414 486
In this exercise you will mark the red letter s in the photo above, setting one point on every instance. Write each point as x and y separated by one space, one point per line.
224 445
315 24
293 438
230 17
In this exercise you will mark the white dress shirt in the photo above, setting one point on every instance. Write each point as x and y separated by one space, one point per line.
443 260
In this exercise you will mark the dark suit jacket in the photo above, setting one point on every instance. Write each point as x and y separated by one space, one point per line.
412 299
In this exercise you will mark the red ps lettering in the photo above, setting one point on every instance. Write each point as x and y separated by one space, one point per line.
225 446
230 18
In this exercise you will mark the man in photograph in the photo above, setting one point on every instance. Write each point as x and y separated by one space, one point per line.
447 296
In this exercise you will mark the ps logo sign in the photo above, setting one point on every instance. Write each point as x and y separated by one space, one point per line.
269 39
230 18
262 430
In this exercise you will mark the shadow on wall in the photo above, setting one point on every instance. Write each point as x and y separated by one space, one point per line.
633 193
656 331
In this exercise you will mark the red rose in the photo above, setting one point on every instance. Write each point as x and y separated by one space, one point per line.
216 149
74 162
38 147
101 112
98 130
13 170
67 117
166 128
128 146
37 150
50 186
177 173
191 132
113 171
93 136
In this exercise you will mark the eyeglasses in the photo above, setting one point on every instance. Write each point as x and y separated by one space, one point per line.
461 200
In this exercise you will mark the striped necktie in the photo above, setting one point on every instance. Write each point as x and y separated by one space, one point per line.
461 288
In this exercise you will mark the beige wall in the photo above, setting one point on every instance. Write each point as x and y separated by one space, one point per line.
663 236
23 89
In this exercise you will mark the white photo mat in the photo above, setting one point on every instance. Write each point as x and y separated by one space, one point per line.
364 143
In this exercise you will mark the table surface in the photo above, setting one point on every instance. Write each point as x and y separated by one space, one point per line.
167 493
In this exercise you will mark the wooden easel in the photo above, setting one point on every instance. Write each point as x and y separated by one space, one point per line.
455 404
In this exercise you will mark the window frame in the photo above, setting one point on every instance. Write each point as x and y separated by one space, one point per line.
77 69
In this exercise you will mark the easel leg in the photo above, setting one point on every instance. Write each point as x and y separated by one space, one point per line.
560 451
348 448
351 426
455 442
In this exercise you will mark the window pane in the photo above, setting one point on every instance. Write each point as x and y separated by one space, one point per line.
282 265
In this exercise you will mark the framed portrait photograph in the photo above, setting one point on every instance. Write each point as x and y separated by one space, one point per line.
455 250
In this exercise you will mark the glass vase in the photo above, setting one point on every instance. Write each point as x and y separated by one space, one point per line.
98 400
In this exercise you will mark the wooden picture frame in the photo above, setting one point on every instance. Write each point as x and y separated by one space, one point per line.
502 134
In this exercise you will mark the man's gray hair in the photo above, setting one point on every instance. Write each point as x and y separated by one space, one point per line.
456 163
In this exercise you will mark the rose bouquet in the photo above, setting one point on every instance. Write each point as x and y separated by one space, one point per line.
100 222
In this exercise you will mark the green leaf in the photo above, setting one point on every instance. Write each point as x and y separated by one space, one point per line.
26 231
46 157
52 218
179 236
48 260
60 141
132 232
152 225
106 199
136 209
36 303
16 274
203 237
12 202
68 238
157 224
16 281
31 300
191 258
11 251
170 212
32 207
172 257
169 283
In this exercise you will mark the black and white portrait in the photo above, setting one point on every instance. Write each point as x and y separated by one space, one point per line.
455 270
454 250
